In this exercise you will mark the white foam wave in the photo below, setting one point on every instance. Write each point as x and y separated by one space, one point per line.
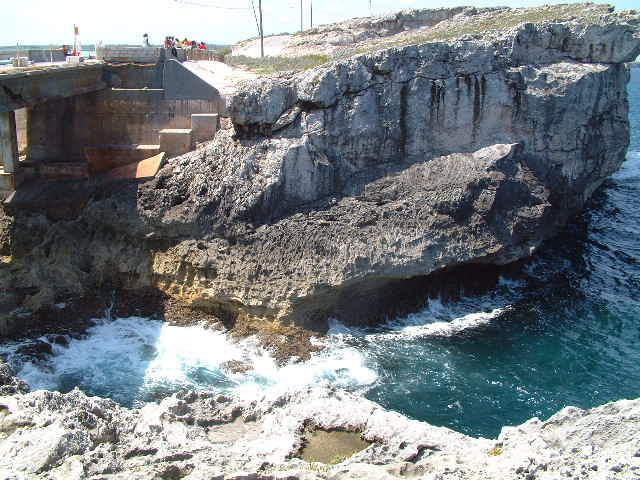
449 328
134 360
438 319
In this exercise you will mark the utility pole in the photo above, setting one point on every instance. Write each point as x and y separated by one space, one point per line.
370 9
301 27
261 30
311 13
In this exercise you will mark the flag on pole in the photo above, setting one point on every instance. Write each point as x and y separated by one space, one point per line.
77 48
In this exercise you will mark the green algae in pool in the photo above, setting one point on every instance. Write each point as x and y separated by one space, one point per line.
331 446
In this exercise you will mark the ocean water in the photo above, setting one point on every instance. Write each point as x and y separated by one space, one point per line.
565 330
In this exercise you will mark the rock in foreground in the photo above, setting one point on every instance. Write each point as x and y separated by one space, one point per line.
203 436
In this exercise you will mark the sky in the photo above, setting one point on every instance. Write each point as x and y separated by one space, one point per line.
50 22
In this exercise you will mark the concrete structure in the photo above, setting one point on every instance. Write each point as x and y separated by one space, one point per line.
105 157
175 141
31 87
8 142
84 119
204 126
136 54
180 83
54 55
20 62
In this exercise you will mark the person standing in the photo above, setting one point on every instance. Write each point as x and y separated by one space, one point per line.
145 40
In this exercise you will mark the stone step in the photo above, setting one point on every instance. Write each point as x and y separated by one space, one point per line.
176 141
7 181
204 126
54 170
102 158
7 184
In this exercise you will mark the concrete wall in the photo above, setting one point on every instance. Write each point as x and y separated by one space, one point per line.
21 127
50 130
135 54
180 83
24 89
36 55
45 55
58 131
131 75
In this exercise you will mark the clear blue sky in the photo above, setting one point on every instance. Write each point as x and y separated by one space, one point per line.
124 21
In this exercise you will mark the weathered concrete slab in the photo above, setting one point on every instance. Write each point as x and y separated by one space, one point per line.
7 181
175 141
144 169
204 126
59 198
136 54
180 83
102 158
33 86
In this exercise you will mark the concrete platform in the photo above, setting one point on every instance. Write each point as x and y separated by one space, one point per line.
143 169
204 126
176 141
102 158
29 86
7 181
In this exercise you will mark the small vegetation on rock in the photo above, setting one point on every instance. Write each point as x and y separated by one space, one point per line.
269 65
497 450
482 25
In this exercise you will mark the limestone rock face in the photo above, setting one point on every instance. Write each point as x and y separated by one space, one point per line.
335 185
49 435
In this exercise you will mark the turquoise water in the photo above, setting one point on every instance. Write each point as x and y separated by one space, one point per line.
565 330
569 335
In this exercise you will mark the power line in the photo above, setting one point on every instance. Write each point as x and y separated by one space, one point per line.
256 17
208 5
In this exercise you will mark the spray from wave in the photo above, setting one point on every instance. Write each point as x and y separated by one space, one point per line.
135 360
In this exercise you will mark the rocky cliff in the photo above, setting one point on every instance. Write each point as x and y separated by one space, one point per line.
334 187
49 435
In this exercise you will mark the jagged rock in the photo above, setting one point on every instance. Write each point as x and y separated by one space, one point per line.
9 384
196 435
337 185
37 350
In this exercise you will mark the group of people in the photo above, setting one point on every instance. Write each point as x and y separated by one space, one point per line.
174 42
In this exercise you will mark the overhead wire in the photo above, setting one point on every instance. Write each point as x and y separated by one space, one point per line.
255 16
209 5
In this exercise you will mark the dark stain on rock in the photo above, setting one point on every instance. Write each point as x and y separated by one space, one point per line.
457 104
437 102
403 118
483 92
476 100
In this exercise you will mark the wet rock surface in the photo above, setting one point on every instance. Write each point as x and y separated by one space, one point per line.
199 435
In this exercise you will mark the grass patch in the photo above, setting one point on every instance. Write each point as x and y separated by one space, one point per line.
269 65
488 24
